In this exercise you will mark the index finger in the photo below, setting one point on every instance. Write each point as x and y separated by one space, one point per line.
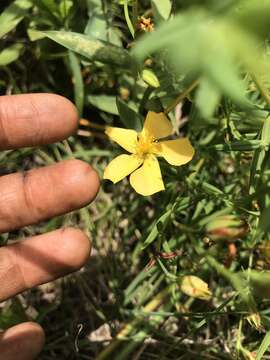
35 119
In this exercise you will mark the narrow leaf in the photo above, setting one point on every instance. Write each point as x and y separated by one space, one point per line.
130 118
263 347
77 81
245 145
104 102
163 220
92 49
266 131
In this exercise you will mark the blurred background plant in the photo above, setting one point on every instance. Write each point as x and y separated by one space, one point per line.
183 274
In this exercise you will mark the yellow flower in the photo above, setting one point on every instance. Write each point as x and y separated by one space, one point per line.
144 148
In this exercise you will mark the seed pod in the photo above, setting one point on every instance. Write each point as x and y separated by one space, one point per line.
195 287
227 227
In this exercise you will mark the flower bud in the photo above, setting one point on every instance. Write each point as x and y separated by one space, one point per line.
150 78
145 24
226 227
254 320
195 287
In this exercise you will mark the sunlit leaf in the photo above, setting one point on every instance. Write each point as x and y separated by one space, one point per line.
92 49
104 102
162 8
10 54
13 14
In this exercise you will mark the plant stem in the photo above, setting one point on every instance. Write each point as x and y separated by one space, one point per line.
91 124
135 11
181 96
128 20
127 329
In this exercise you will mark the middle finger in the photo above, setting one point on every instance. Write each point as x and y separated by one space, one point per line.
27 198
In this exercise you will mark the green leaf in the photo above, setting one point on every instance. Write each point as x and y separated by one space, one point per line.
77 81
263 347
97 24
92 49
130 118
104 103
35 35
162 8
163 220
244 145
65 7
13 14
266 131
207 98
10 54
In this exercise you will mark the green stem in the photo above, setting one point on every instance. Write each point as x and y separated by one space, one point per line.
181 96
135 11
128 20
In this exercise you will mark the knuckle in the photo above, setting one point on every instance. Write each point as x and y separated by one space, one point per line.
29 199
32 115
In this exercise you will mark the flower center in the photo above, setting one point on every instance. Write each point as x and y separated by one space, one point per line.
145 145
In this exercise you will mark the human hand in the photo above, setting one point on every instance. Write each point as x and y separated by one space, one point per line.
27 198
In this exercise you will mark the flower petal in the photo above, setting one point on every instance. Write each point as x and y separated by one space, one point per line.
126 138
147 180
176 152
121 166
157 125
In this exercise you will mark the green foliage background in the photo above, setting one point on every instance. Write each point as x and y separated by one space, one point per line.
215 54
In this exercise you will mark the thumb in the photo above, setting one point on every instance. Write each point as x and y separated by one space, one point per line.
23 341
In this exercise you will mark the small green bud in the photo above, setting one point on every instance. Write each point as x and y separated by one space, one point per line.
150 78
